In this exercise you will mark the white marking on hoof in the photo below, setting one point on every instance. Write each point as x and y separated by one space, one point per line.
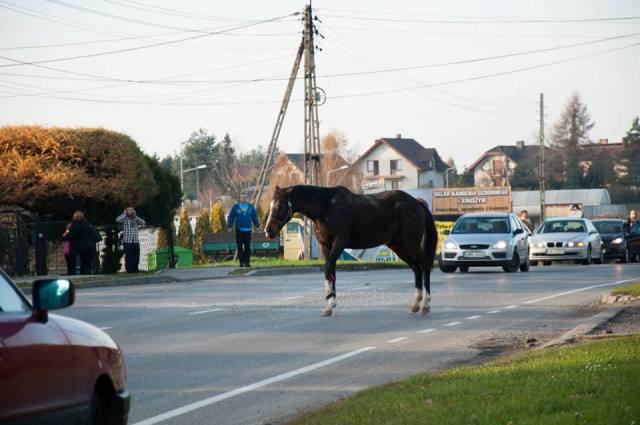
327 311
425 309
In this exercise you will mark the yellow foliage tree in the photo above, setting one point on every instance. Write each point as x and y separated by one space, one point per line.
163 240
202 228
218 222
185 234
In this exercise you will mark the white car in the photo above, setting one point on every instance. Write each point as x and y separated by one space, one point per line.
566 238
484 240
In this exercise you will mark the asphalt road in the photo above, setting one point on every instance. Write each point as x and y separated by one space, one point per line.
256 350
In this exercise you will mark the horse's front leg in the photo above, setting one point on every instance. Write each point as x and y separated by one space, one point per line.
331 257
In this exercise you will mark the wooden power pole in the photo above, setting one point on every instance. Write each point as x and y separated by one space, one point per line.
541 164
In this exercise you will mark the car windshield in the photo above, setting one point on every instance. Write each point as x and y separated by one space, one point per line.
608 227
563 226
10 301
468 225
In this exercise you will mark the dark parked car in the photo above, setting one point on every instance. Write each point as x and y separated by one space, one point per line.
54 369
614 241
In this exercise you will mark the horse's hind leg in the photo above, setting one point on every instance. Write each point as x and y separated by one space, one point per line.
417 272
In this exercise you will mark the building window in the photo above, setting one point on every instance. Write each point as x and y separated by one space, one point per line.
395 184
395 165
372 167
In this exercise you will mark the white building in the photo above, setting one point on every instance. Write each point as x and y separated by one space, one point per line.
397 163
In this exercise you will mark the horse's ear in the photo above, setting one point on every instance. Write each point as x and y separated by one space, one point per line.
277 188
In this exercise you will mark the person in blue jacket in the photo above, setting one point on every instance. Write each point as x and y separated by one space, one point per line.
243 215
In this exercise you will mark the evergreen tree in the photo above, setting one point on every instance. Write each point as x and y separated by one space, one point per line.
163 240
525 176
218 222
600 172
202 229
631 155
185 234
570 131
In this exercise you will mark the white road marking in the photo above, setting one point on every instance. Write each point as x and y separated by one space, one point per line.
452 324
206 311
220 397
426 331
586 288
106 328
392 341
472 317
293 298
358 288
511 307
494 311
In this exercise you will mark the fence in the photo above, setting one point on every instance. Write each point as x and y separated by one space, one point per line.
36 248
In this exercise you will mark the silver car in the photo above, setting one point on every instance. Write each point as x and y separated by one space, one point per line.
486 239
566 238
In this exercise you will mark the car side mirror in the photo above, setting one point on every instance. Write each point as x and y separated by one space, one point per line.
517 231
52 294
446 232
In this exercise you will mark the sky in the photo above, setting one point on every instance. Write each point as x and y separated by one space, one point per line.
458 76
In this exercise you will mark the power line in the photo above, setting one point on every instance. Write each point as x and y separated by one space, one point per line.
147 46
353 95
173 12
495 74
487 21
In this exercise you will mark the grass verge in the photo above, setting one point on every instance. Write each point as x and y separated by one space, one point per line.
592 383
632 289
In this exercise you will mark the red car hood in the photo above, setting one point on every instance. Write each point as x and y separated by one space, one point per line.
82 333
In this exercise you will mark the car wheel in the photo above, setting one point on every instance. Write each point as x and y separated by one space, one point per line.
625 256
546 263
600 259
534 263
587 260
524 267
515 264
101 407
444 268
464 269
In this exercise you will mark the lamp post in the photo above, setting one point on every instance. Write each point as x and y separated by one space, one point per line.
344 167
446 176
199 167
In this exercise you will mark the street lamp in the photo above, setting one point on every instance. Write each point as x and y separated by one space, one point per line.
446 176
182 172
344 167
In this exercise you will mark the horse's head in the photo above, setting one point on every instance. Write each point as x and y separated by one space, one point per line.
280 212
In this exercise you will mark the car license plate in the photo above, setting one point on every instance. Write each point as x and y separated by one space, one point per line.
555 251
474 254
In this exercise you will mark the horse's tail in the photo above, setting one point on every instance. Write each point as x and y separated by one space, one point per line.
430 236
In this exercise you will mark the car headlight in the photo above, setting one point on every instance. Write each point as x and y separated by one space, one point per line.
537 244
499 245
450 245
617 241
571 244
580 244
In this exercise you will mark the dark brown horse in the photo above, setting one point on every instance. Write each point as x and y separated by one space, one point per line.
343 219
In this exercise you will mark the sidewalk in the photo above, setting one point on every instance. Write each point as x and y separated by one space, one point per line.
185 275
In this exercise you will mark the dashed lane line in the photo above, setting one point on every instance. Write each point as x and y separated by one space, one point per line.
511 307
451 324
393 341
251 387
426 331
472 317
212 310
494 311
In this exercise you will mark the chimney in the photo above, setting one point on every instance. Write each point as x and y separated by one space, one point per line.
603 141
520 144
398 136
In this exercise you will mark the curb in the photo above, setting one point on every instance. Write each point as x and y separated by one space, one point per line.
162 279
584 328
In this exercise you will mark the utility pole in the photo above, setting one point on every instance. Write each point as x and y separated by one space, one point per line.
541 165
312 171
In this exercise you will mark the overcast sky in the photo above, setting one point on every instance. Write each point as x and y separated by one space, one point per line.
159 95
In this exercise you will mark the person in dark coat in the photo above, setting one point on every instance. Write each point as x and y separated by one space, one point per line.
632 220
243 215
83 238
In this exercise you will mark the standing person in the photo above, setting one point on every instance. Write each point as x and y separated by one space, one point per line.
632 220
83 238
66 249
131 224
243 214
524 218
